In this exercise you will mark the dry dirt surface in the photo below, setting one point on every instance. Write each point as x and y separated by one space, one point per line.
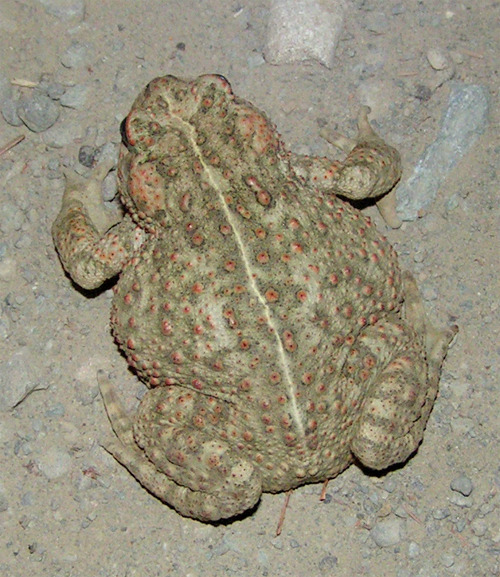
66 507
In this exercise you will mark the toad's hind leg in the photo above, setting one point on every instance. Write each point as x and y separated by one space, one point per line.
396 408
199 476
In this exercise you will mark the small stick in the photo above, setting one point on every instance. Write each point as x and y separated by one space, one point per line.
23 83
322 497
412 515
283 512
11 144
473 54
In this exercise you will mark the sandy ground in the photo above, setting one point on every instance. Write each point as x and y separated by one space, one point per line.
66 507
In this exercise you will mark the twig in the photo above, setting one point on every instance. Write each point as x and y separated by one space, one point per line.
322 497
283 512
11 144
473 54
412 514
23 83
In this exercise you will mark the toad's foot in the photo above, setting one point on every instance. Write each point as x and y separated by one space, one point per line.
93 244
437 340
396 408
371 170
88 192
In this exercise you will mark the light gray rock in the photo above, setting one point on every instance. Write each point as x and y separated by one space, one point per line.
38 112
54 462
5 88
376 22
464 120
75 96
64 9
438 58
75 55
11 218
388 532
9 112
62 134
413 550
462 485
301 30
16 379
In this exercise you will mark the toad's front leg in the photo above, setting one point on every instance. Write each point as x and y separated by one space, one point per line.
93 247
371 169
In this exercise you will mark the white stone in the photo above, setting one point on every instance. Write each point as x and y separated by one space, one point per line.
301 30
438 59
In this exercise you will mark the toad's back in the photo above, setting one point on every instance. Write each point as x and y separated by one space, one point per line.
253 286
259 304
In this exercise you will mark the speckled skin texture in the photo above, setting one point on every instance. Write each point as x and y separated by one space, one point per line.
269 318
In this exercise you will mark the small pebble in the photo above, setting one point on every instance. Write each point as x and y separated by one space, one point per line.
88 156
440 514
447 560
58 410
452 202
75 96
5 88
65 9
9 112
38 112
387 532
371 503
422 93
389 485
462 485
479 527
62 134
254 60
437 58
11 218
401 512
75 55
4 326
263 560
27 499
460 525
461 501
54 462
429 293
53 90
4 502
413 550
328 564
